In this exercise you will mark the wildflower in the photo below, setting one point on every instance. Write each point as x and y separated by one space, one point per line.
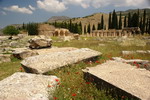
21 69
77 73
74 94
137 65
134 62
123 97
87 82
49 86
57 80
58 83
97 61
55 98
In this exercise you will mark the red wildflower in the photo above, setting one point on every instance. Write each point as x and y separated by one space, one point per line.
49 85
137 65
77 73
123 97
87 82
74 94
55 98
145 65
57 80
58 83
21 69
134 62
97 61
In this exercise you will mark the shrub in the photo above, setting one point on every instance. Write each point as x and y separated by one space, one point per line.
10 30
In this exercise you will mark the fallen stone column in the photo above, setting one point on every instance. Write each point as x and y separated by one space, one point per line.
121 80
44 63
24 86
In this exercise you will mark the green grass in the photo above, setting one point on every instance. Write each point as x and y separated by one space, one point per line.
72 81
7 69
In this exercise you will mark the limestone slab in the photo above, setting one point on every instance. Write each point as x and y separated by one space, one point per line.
24 86
134 81
54 60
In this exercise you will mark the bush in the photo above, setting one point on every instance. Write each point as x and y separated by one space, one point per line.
10 30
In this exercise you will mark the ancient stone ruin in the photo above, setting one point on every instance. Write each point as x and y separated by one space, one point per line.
121 79
25 86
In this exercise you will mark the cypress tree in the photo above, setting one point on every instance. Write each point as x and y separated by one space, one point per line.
146 25
102 22
140 25
149 26
129 19
114 20
120 21
85 29
134 20
144 19
89 29
109 23
99 26
80 27
125 21
138 19
93 28
70 25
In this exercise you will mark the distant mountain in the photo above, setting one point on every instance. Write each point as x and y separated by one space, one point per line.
58 18
132 11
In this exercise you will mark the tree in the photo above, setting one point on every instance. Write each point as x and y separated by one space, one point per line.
70 25
146 25
120 21
85 29
23 26
129 19
102 22
110 22
32 28
149 26
93 28
134 20
10 30
125 21
140 25
99 26
114 20
138 19
144 21
89 29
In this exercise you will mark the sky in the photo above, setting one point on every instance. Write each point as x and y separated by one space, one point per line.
24 11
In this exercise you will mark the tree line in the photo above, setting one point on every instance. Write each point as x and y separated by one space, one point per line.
72 27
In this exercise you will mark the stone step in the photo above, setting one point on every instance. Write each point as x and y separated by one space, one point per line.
48 62
121 79
24 86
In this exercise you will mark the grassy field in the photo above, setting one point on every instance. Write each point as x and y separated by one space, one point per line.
73 86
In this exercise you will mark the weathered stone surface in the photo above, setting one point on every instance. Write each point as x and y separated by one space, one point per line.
128 79
40 42
67 38
128 52
50 61
22 54
4 58
24 86
53 49
130 61
13 44
135 52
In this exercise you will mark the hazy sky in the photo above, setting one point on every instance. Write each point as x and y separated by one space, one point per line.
19 11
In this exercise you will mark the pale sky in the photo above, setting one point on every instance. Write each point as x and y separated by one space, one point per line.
19 11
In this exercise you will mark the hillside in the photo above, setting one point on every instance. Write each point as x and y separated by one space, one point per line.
58 19
132 11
